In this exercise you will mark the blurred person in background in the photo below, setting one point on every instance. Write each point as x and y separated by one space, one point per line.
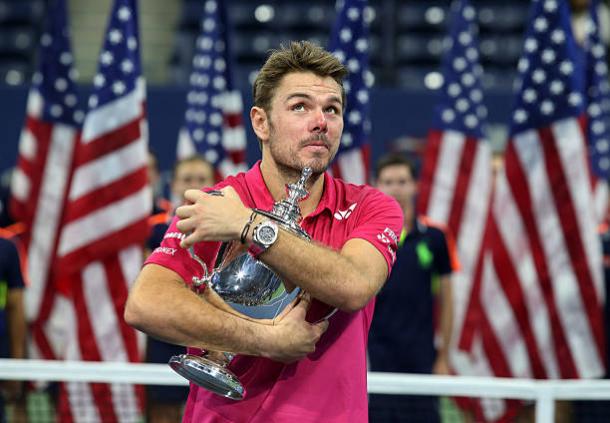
402 336
156 183
165 403
13 328
192 172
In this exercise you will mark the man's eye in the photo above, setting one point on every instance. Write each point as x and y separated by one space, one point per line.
298 107
332 109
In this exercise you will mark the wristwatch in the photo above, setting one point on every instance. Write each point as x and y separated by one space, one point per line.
263 237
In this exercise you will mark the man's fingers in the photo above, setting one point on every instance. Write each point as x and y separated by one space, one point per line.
193 195
184 211
305 300
300 309
188 241
185 226
322 326
230 192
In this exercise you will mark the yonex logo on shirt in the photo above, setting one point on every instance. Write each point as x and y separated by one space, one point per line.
387 237
344 214
176 235
165 250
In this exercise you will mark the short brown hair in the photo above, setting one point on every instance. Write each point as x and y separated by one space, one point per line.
394 159
299 56
193 158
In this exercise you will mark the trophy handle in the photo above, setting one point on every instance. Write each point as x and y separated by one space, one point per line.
296 301
327 316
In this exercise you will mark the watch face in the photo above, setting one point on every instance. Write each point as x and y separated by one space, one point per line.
266 234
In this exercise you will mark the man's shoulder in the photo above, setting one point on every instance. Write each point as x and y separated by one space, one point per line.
6 246
352 192
432 227
238 179
435 232
9 259
441 236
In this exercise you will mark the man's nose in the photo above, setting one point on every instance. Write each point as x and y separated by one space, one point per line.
320 124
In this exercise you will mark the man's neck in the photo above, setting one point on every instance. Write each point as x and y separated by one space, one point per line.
276 182
409 213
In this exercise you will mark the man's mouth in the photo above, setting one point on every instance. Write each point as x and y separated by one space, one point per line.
319 142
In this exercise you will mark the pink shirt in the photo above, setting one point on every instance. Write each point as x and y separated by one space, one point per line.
330 384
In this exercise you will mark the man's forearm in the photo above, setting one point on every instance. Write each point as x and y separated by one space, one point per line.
161 305
336 278
446 314
17 327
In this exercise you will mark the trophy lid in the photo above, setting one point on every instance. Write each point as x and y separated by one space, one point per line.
287 211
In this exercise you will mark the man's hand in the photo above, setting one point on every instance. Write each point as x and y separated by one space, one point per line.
441 365
295 337
208 217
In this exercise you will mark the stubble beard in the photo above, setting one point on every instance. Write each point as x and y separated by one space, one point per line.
289 164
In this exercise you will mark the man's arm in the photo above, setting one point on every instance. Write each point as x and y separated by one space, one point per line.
347 279
161 305
441 366
17 327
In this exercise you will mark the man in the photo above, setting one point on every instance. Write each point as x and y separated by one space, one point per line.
402 332
13 327
293 370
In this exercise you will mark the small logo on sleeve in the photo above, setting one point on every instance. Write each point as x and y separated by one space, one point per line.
174 235
165 250
389 238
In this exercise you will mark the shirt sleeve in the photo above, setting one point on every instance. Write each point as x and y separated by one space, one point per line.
171 255
379 222
14 277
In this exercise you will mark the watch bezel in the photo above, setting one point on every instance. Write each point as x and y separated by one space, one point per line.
260 245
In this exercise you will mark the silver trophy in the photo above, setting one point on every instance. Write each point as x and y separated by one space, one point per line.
242 285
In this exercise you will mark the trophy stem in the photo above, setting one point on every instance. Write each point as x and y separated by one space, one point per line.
208 374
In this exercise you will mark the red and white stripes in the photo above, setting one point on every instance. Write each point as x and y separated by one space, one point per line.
547 175
455 190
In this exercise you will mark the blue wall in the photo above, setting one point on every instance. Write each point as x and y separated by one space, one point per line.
394 113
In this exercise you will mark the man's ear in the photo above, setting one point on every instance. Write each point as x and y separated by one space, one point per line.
260 123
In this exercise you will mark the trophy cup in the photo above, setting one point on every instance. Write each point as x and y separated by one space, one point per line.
244 286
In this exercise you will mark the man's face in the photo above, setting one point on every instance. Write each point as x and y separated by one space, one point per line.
305 123
397 181
192 175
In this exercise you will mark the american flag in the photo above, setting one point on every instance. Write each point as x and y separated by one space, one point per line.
598 111
349 42
105 223
455 181
541 288
42 176
213 122
455 184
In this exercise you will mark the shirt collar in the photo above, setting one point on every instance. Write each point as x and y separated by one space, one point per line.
264 200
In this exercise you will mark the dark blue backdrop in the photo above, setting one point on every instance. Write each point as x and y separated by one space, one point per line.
394 113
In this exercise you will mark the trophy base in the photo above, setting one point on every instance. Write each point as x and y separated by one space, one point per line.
208 374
